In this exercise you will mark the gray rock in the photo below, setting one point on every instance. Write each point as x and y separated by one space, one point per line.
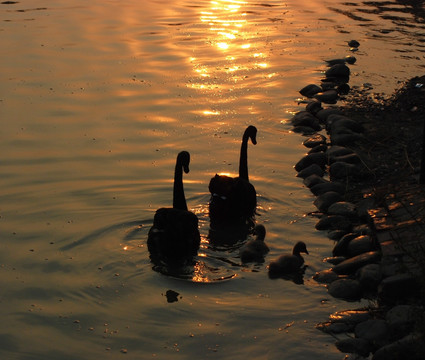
343 208
374 330
334 260
314 106
347 289
338 71
410 347
328 96
310 90
336 234
334 222
310 159
322 115
341 247
305 118
351 265
310 170
361 244
369 276
315 140
357 346
399 286
325 276
314 179
325 200
336 150
342 170
401 319
320 189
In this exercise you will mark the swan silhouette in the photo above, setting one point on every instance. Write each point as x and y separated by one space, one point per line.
174 236
234 200
254 250
289 264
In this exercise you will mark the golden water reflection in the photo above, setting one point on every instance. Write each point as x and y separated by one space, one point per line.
233 60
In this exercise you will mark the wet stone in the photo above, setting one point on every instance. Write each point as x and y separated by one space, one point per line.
315 140
310 90
369 276
322 115
374 330
343 208
357 346
338 71
325 200
360 245
325 276
310 159
310 170
351 265
336 234
347 289
320 189
314 179
341 247
334 222
328 97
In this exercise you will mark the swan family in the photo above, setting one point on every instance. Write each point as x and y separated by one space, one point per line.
174 237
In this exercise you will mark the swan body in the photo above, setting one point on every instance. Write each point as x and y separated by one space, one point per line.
174 236
234 200
254 250
289 264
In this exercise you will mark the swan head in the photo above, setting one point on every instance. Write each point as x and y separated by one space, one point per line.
183 158
260 231
251 133
300 247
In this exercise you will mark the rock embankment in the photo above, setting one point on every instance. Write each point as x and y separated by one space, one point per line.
354 152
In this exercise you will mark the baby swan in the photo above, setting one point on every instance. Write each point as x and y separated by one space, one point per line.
254 250
288 264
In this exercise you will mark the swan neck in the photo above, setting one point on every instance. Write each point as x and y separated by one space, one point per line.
243 160
179 200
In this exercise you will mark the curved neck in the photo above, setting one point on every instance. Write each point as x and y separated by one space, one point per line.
243 160
179 200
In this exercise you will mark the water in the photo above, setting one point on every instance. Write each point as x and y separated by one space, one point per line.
97 99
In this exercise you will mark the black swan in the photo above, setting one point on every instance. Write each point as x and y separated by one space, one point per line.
234 200
174 236
289 264
254 250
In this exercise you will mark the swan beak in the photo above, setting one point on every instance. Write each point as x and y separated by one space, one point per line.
306 252
186 169
254 140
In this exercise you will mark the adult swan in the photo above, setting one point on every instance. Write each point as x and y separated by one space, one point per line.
174 236
234 200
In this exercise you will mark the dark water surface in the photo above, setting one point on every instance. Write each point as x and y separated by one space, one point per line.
96 100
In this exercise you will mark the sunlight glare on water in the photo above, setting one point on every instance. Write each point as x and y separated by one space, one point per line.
96 100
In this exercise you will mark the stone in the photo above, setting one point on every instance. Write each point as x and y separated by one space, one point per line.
342 170
345 288
347 138
361 244
348 158
343 208
334 260
338 71
314 179
318 148
397 287
325 276
353 44
320 189
369 276
352 317
334 328
322 115
336 234
351 265
310 170
334 222
341 247
410 347
335 122
374 330
310 159
325 200
314 106
336 150
401 319
306 119
357 346
315 140
310 90
350 59
328 96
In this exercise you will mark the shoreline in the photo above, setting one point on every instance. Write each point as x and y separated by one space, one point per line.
364 165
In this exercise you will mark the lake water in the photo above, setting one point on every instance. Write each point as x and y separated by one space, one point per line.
96 100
